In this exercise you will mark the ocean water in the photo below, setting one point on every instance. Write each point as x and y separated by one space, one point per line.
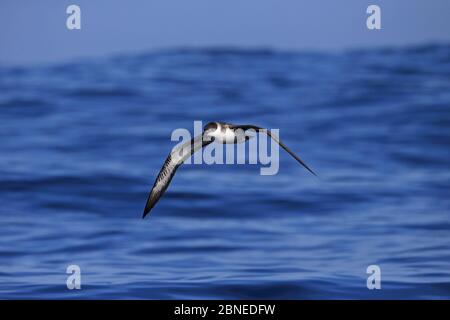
82 142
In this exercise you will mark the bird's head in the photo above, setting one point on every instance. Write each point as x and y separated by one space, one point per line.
211 129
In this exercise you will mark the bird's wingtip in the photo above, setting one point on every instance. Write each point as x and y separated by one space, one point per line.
146 211
309 169
315 175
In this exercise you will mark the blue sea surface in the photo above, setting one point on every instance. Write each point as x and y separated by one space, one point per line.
82 142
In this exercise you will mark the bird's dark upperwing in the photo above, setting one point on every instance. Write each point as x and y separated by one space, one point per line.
175 159
258 129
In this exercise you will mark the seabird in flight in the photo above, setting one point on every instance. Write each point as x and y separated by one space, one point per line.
214 131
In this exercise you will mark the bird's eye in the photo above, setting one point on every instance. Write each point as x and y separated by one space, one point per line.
210 126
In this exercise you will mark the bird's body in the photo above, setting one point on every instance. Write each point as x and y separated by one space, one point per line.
219 132
225 133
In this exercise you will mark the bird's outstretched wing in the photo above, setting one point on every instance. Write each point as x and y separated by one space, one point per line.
258 129
175 159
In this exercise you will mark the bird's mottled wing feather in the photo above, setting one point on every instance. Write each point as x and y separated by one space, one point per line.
175 159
